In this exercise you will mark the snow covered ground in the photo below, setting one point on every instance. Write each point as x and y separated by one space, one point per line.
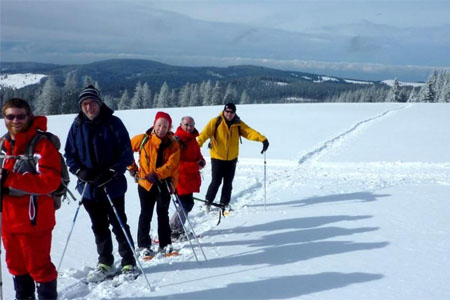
357 208
18 81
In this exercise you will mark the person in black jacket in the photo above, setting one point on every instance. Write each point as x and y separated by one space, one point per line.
97 151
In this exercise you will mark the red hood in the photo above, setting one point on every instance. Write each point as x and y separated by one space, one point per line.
22 139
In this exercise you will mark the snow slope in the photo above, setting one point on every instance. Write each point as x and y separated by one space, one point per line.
18 81
357 208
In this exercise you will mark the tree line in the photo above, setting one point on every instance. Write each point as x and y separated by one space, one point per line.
50 97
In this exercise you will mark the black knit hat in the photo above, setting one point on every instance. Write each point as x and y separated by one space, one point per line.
90 92
230 106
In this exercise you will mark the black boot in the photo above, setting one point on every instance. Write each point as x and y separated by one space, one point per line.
24 286
47 290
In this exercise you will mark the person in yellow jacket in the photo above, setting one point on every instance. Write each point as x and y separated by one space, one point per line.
159 157
224 133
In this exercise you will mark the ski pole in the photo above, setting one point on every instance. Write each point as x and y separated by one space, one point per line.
73 224
265 193
187 218
130 243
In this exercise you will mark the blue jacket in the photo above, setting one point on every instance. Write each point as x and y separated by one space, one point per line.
99 145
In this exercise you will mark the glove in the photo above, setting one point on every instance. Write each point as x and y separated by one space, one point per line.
105 177
201 163
86 175
152 178
265 146
133 172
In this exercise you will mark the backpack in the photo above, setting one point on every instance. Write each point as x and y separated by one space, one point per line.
218 121
28 163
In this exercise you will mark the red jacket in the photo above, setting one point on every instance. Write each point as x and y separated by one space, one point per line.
17 210
189 179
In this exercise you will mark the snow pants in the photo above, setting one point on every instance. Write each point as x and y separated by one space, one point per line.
148 199
188 203
102 215
29 253
221 170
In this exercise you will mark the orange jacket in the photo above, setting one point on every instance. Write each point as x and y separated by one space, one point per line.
148 152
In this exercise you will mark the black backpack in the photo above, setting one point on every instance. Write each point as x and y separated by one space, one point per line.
28 163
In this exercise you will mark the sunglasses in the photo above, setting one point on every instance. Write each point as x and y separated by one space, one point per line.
229 111
189 125
20 117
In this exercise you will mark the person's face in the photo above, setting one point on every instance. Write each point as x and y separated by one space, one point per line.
229 114
161 127
16 120
90 108
188 125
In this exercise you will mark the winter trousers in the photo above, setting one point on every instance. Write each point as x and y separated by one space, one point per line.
221 170
28 259
160 196
102 215
188 203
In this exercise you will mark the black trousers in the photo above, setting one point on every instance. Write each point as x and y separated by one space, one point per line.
187 201
148 199
221 170
102 215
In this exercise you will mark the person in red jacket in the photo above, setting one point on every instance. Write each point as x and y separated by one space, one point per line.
28 212
189 180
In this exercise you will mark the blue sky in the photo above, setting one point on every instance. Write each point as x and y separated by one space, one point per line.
359 39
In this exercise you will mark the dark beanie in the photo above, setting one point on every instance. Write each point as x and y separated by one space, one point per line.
90 92
161 114
230 106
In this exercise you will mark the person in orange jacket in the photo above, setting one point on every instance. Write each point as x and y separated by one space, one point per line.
189 181
28 215
159 157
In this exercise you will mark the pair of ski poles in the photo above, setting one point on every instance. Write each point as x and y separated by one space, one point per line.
130 243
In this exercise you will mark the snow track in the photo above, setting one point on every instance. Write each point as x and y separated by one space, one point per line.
336 141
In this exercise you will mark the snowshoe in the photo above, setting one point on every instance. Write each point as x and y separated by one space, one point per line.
146 253
101 273
168 251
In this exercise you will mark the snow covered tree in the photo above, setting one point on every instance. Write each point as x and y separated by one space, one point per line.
163 99
137 102
147 96
70 94
206 92
185 95
196 99
216 96
110 102
394 94
245 99
125 101
231 94
49 101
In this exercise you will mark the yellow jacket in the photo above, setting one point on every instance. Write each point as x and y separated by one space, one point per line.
225 141
148 157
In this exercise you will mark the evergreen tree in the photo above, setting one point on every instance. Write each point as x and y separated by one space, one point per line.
70 94
147 96
245 99
196 99
394 94
173 99
163 99
231 94
87 80
137 102
125 101
49 101
185 95
216 96
206 92
110 102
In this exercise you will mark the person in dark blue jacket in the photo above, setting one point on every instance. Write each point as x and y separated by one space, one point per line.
97 151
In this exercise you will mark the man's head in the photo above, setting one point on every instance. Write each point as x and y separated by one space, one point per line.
17 115
162 124
229 111
90 102
187 124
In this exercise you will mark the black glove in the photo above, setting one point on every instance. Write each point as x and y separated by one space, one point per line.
201 163
105 177
152 178
265 146
86 175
